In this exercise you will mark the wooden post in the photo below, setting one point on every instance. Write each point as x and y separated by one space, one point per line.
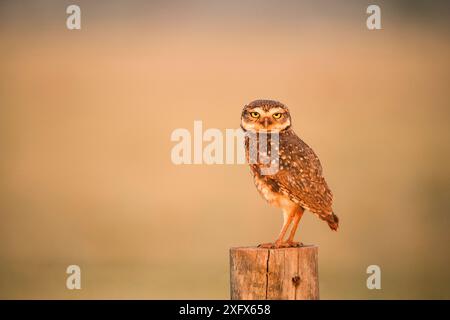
274 274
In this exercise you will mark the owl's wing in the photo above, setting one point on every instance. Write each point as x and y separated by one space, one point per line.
300 177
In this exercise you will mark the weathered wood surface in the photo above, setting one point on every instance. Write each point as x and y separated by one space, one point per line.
274 274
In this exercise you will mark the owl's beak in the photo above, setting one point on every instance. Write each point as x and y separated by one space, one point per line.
266 122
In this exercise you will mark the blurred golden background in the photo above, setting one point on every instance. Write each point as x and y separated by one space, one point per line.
86 115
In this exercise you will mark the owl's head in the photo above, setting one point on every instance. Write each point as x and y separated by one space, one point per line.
265 115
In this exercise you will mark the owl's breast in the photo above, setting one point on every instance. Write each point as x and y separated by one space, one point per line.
270 190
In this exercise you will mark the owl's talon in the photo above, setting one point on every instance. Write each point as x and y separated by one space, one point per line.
281 244
273 245
294 244
268 245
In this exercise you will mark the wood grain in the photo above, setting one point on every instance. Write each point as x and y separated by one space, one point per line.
274 274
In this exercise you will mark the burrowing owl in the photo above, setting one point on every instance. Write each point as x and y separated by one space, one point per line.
298 183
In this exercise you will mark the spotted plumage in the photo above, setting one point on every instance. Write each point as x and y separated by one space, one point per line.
298 183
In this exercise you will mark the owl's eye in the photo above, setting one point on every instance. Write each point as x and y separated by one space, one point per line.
254 114
276 115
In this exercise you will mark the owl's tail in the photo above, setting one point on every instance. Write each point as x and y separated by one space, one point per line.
332 220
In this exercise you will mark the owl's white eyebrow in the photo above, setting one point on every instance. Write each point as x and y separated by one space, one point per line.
257 109
276 110
271 111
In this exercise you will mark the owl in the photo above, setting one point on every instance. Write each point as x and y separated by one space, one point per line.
298 183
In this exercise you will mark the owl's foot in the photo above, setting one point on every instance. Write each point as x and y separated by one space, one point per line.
294 244
269 245
280 244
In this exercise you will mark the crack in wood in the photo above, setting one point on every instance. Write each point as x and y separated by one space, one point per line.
267 272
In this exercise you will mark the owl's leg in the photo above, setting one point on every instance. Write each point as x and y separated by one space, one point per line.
288 215
290 241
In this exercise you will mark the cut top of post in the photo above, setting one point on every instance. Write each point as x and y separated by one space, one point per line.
280 274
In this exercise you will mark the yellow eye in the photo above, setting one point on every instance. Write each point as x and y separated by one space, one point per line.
254 114
277 115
